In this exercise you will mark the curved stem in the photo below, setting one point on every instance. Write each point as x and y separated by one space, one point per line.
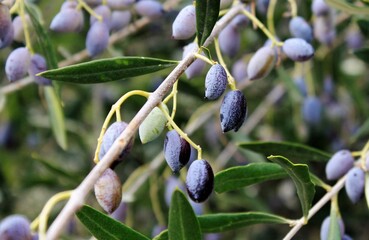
181 133
90 10
268 33
44 215
174 108
270 16
203 58
115 109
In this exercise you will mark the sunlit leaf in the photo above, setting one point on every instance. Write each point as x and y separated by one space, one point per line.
103 227
183 223
301 178
242 176
106 70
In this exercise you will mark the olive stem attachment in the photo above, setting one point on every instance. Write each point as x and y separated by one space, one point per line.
180 132
293 6
326 198
115 108
203 58
81 3
230 79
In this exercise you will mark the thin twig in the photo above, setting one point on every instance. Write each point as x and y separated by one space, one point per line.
79 194
327 197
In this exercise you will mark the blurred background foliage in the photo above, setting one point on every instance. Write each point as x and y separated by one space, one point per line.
33 167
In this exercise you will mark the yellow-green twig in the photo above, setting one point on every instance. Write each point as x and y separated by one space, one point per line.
89 10
27 36
293 6
203 58
268 33
181 133
270 16
44 215
115 109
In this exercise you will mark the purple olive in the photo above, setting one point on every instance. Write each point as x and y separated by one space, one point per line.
229 40
299 28
312 110
16 66
104 12
67 20
119 19
15 227
6 27
176 151
200 181
324 229
354 184
184 25
215 82
196 68
239 70
97 38
339 164
37 65
261 63
149 8
298 49
320 8
233 111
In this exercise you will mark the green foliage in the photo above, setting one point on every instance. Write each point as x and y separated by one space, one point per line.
301 178
106 70
183 223
207 12
294 151
238 177
104 227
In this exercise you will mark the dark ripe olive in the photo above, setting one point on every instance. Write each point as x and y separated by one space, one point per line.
233 111
177 151
200 180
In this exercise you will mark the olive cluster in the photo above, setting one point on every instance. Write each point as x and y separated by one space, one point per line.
20 61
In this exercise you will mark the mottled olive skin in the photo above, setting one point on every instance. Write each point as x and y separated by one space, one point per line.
215 82
184 25
15 227
111 134
108 191
233 111
298 49
177 151
354 185
200 180
339 164
97 38
17 63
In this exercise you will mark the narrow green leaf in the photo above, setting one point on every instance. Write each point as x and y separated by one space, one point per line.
242 176
162 236
347 7
367 188
293 151
183 224
56 116
207 12
334 232
227 221
301 177
55 111
363 54
103 227
105 70
317 181
364 26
